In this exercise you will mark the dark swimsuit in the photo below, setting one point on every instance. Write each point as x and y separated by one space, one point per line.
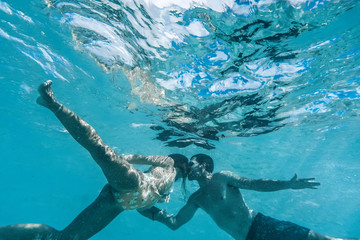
268 228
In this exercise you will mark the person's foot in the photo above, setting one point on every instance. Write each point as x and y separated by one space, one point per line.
46 98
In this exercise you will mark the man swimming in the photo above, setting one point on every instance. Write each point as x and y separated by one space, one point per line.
219 196
128 188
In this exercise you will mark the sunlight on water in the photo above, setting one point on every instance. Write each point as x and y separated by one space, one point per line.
196 53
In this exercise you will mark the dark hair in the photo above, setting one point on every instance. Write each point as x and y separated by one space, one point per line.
181 162
204 159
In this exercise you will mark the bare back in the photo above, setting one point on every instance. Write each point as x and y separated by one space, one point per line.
226 206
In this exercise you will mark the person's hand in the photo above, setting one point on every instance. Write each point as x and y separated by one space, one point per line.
302 183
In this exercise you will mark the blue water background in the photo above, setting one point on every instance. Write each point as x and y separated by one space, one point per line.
46 177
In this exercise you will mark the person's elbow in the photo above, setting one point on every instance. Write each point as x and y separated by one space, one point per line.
173 224
172 227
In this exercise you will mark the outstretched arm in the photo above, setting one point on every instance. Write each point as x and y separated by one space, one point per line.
268 185
173 222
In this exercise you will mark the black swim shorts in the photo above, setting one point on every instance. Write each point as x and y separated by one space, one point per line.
267 228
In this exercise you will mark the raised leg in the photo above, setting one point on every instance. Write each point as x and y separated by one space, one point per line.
119 173
80 130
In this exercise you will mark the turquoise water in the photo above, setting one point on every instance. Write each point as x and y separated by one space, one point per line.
267 88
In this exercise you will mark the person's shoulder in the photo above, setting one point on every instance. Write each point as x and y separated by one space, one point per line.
218 177
223 174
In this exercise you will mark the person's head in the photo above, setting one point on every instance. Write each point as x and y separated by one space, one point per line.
181 164
200 165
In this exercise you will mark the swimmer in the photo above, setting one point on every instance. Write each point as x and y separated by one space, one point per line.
219 196
128 188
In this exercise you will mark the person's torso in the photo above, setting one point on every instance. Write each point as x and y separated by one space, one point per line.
226 206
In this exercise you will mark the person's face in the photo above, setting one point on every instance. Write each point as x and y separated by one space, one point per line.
196 170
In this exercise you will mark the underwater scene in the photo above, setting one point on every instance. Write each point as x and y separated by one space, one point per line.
267 88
